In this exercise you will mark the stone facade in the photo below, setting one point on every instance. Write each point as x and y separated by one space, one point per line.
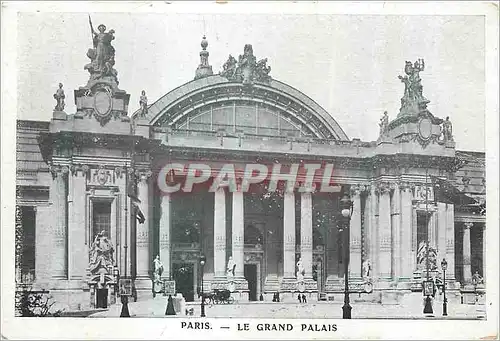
98 169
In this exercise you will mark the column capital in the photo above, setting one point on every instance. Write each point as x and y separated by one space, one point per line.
406 186
468 225
311 188
365 188
58 170
119 171
76 169
355 190
382 187
143 174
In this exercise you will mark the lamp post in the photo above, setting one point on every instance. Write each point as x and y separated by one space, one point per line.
202 263
428 283
124 295
346 211
444 265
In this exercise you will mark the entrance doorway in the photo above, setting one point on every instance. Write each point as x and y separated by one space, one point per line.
184 279
250 273
102 298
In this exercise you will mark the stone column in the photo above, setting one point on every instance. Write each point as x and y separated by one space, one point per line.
384 232
165 233
58 197
332 266
414 238
374 204
355 234
367 230
208 243
450 241
273 253
238 235
220 234
78 251
306 240
289 236
396 233
432 229
406 233
143 256
467 253
43 245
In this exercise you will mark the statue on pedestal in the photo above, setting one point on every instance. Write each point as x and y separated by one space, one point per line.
158 269
229 67
143 102
101 253
59 96
231 266
102 56
477 279
367 269
413 100
422 257
300 270
447 130
384 122
262 71
246 64
247 69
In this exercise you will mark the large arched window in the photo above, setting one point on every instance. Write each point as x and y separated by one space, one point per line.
245 117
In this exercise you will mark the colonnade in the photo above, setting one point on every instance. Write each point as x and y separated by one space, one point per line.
382 230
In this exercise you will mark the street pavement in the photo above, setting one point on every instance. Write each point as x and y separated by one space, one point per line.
156 308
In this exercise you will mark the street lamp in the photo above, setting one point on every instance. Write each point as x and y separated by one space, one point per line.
346 211
124 295
202 263
444 265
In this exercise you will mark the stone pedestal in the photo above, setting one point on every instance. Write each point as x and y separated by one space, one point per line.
271 284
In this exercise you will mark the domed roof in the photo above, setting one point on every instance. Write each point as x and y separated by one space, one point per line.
291 106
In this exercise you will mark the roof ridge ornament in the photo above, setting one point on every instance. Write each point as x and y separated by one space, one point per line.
102 56
204 69
413 102
247 69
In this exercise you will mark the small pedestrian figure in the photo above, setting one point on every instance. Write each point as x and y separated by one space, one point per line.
304 299
274 297
300 298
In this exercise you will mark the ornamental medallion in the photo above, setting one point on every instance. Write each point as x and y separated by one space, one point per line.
425 128
102 106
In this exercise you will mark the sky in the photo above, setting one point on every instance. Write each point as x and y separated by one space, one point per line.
348 64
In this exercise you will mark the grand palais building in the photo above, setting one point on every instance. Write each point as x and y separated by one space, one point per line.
110 192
